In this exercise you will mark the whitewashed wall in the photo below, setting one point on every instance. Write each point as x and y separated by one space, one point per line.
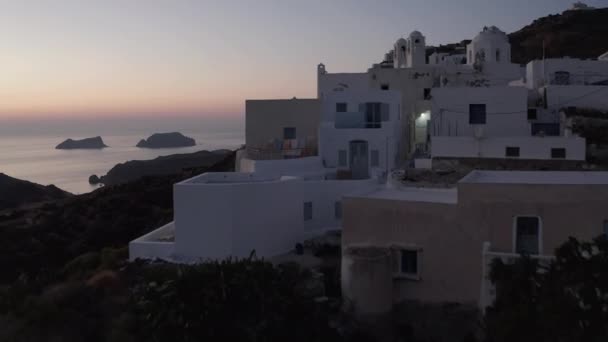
217 220
291 167
506 108
581 71
149 246
529 147
330 82
595 97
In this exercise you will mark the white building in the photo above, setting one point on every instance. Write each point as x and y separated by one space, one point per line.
360 132
493 122
304 155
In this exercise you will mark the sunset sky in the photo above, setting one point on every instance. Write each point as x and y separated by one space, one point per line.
205 57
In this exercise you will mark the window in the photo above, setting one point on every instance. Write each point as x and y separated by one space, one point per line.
427 93
558 153
498 55
342 158
375 158
532 114
289 133
373 115
341 107
527 235
606 229
338 210
307 211
512 151
384 86
477 114
406 263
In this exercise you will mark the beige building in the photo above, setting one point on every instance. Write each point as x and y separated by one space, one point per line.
434 245
279 129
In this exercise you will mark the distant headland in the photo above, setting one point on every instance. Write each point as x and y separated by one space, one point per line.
166 140
87 143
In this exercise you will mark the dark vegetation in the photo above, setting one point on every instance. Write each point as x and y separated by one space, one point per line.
66 278
15 192
566 300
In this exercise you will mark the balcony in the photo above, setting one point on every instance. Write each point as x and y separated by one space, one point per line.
356 120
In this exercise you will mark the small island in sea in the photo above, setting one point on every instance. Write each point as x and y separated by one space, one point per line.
166 140
87 143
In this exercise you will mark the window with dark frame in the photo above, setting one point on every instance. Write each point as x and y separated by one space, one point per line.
289 133
307 211
373 115
409 262
341 107
477 114
427 93
558 153
384 86
527 235
532 114
512 151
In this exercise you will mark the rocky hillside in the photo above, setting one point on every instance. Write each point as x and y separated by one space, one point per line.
15 192
164 165
579 34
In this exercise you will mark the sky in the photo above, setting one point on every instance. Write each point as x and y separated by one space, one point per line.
85 58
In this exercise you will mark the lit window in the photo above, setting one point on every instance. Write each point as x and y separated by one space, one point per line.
342 158
558 153
338 210
307 211
477 114
511 151
341 107
527 235
289 133
375 158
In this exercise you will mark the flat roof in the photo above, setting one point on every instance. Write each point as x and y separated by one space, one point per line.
413 194
537 177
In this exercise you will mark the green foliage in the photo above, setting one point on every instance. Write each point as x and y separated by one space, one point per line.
567 300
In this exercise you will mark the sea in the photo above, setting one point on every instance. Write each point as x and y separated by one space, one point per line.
27 146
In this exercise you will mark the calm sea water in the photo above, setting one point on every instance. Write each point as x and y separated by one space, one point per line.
27 148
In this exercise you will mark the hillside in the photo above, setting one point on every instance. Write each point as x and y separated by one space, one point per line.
577 34
16 192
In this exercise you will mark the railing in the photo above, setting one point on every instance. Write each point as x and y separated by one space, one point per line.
488 290
256 153
355 120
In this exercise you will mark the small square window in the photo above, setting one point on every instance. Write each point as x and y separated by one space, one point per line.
532 114
384 87
409 262
338 210
558 153
477 114
527 235
289 133
342 158
307 211
341 107
427 93
375 158
512 151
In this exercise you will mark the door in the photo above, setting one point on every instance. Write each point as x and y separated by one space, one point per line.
359 163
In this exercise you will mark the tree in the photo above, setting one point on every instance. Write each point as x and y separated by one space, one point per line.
566 300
